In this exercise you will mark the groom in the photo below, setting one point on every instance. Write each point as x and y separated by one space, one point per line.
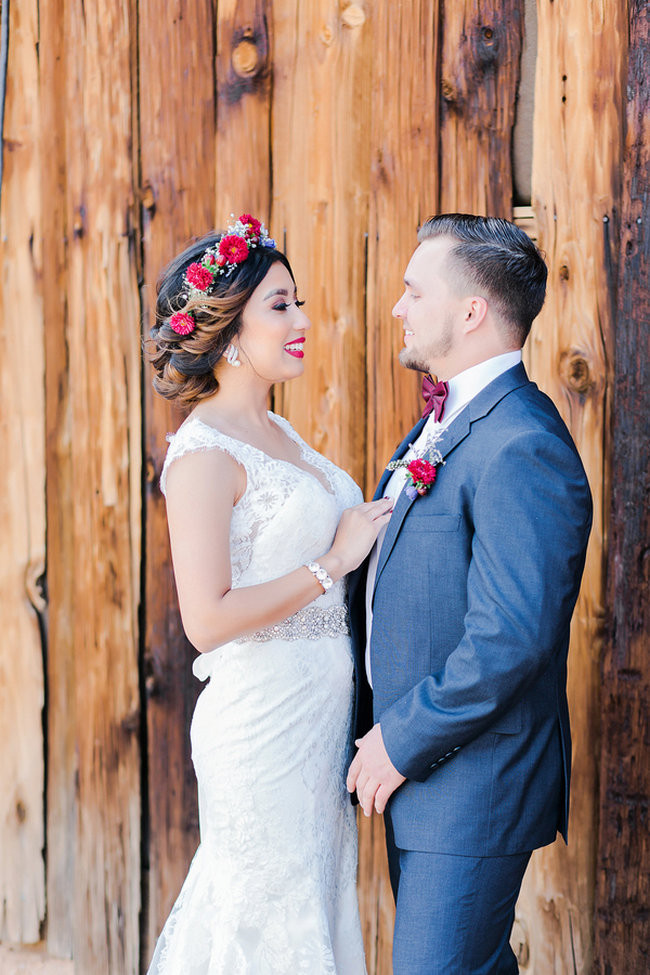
461 615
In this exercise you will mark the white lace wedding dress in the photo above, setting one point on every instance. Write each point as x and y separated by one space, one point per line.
272 887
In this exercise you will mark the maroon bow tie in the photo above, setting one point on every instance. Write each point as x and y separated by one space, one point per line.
434 395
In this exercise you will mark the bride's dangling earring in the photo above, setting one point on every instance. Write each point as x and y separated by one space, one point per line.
232 355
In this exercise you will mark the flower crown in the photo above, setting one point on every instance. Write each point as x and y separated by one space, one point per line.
232 250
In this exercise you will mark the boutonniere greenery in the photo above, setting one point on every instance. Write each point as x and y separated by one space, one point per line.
421 472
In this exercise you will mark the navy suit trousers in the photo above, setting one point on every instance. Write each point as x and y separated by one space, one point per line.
454 914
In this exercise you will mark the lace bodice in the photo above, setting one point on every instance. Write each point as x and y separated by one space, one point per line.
286 516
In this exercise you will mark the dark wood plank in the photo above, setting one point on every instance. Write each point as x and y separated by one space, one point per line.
623 877
481 47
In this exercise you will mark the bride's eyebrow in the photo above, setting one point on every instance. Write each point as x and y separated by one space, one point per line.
277 291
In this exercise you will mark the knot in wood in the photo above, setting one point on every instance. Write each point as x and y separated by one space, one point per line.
35 584
564 272
486 45
21 811
575 372
148 197
353 16
78 222
245 58
448 90
326 35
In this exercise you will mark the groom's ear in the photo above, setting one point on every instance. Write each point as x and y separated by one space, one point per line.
475 313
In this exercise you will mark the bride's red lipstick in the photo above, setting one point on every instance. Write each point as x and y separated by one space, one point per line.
290 347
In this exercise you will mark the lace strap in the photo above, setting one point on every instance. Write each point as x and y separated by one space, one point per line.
194 435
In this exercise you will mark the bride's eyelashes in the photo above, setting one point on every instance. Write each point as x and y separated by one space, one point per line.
283 305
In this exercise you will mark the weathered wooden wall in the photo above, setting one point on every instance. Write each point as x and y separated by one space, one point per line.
130 128
623 878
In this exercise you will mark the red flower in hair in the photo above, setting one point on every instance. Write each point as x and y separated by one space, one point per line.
199 277
253 226
233 248
182 322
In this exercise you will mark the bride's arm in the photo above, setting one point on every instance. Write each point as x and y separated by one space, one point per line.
202 488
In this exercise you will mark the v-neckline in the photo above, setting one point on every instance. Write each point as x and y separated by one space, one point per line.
310 470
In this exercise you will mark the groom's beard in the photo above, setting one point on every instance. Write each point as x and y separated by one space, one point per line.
422 359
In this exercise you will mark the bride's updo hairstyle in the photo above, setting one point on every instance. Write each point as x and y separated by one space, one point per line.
193 327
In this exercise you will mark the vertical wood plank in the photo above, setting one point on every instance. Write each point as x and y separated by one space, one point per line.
104 363
403 192
62 762
177 138
320 205
22 492
576 172
243 155
623 882
481 47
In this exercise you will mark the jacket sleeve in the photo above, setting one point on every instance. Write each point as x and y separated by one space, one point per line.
532 515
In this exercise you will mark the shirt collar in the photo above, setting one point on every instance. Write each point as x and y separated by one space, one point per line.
467 384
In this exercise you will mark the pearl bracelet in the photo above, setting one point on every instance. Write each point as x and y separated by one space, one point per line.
321 575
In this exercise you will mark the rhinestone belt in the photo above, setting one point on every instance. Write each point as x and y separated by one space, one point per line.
307 624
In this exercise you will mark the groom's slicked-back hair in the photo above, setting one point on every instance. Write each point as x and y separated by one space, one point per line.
498 259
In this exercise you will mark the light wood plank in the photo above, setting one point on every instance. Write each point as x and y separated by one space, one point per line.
22 490
320 204
177 131
62 760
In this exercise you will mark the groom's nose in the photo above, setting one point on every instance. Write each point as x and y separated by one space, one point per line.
398 311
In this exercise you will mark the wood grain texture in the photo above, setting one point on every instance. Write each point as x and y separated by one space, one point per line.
177 133
60 497
623 879
576 172
404 189
320 204
22 490
243 146
104 389
481 47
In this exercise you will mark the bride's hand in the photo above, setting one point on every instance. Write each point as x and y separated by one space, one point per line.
356 534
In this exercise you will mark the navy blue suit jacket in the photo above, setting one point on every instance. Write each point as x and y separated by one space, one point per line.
475 588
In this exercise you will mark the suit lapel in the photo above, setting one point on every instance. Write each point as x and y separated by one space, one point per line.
455 433
410 438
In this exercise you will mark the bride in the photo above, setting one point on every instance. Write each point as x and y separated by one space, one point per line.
263 531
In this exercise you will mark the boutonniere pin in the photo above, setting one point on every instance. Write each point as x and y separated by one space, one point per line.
421 472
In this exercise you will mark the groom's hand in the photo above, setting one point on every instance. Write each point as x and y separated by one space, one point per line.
372 773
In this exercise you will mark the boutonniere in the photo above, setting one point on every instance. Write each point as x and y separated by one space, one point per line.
421 472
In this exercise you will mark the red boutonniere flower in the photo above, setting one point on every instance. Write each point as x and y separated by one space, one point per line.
423 475
421 472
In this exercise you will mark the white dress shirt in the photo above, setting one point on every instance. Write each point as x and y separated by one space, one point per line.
462 388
